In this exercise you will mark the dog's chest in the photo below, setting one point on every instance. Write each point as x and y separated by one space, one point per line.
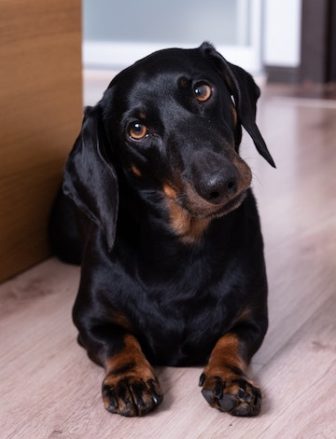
180 309
182 329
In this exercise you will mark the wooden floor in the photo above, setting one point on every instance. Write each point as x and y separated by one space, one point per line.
49 389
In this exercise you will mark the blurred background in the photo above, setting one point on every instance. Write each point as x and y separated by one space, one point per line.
288 41
251 33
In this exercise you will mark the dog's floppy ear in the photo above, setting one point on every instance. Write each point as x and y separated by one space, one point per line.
89 180
245 93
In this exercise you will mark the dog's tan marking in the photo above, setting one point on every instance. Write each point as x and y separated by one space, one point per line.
188 228
136 171
121 320
169 191
234 116
131 354
243 315
225 357
184 225
184 82
224 382
245 173
129 376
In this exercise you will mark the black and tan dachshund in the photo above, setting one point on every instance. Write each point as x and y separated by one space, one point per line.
157 208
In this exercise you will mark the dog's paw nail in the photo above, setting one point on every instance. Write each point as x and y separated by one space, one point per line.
156 399
218 388
201 379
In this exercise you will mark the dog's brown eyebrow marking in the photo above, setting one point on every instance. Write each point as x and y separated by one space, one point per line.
183 82
136 171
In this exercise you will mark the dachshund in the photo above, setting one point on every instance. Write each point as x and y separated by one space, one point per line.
156 206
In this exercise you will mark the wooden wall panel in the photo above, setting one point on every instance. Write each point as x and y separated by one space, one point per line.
40 112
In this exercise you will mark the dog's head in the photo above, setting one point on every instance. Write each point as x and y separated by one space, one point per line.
172 122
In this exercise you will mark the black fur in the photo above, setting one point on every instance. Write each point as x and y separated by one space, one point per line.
179 297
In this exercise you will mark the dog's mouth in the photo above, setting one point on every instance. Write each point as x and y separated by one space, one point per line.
211 212
190 214
197 207
230 205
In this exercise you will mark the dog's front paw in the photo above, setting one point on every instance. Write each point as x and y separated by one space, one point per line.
238 396
131 395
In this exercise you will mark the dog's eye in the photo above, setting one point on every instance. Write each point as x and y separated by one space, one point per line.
136 130
202 91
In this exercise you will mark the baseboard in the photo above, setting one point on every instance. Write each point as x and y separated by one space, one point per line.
287 75
118 55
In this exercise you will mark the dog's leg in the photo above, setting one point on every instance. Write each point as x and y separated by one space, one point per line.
224 382
130 387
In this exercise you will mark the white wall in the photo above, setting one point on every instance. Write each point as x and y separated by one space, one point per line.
169 21
281 41
118 33
111 38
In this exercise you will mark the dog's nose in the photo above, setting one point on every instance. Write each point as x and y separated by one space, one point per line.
218 187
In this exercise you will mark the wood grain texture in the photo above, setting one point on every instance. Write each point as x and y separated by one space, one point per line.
49 388
40 103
